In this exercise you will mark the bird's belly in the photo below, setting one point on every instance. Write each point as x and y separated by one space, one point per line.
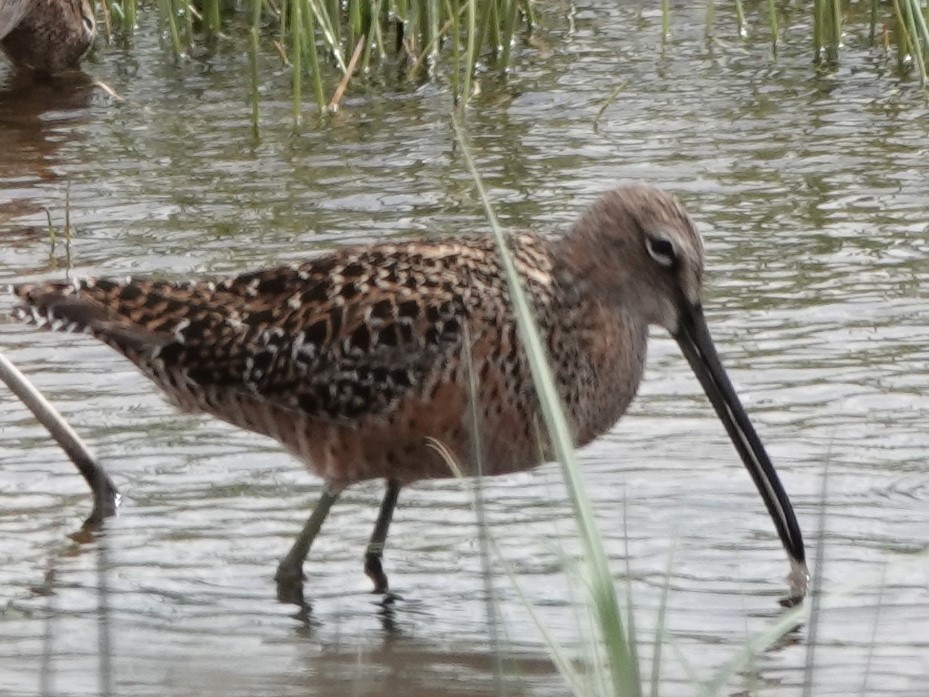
430 436
419 440
431 439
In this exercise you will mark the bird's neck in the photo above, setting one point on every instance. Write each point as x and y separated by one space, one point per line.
580 257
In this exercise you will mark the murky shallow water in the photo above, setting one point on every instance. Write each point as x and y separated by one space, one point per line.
811 192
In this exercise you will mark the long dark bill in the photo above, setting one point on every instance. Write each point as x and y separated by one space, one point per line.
695 341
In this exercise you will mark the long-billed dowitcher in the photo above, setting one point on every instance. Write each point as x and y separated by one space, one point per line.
355 360
11 12
47 36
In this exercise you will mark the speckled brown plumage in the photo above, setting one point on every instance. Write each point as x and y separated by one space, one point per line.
51 35
11 12
355 359
344 354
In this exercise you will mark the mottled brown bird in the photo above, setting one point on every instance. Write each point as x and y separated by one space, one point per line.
48 36
11 12
356 359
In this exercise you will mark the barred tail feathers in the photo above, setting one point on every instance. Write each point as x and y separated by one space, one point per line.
68 307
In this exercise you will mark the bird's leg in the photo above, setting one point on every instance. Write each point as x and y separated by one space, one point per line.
375 551
289 574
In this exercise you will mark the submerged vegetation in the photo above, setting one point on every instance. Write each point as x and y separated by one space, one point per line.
456 41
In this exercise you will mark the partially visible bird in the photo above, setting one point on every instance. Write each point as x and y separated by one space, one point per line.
47 36
11 12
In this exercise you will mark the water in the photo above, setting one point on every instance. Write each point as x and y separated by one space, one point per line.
810 189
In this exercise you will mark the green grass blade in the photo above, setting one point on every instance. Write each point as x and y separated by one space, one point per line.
315 69
253 64
169 14
609 100
328 29
917 34
296 56
470 53
785 624
692 675
510 15
772 22
869 658
560 658
817 29
454 18
661 619
665 20
211 12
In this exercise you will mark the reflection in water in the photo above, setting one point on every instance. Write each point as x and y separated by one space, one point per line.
810 191
38 116
36 113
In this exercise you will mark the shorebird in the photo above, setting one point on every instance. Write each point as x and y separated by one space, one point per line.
47 36
360 359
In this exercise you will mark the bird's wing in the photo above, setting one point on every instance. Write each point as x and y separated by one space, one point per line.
335 337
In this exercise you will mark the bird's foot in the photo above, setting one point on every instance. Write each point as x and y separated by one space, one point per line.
375 571
290 585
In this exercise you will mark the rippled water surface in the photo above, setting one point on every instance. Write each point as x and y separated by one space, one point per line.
811 190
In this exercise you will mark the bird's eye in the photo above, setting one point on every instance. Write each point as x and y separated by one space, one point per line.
86 12
661 250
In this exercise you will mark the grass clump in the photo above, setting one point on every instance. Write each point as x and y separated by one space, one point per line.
457 41
450 39
904 24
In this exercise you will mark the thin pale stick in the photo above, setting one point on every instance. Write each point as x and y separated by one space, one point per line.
343 83
106 496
